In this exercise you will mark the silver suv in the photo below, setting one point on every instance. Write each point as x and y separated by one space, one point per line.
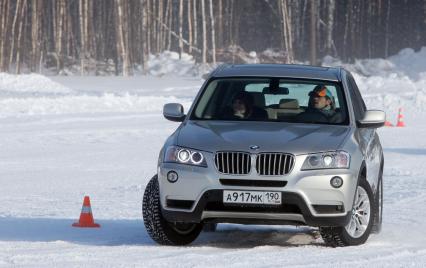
270 144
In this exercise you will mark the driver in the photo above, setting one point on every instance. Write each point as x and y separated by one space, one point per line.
321 100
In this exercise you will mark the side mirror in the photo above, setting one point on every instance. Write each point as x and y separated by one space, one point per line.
372 119
173 112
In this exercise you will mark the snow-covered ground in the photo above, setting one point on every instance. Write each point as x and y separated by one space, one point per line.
65 137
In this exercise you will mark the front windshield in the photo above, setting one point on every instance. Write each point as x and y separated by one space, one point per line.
272 99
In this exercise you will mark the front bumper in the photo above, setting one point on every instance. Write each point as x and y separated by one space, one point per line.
307 196
293 210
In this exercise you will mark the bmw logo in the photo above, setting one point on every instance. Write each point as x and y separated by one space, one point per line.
254 147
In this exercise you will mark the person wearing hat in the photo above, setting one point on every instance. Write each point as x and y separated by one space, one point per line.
321 107
322 99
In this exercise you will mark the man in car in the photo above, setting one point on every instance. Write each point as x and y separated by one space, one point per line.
322 99
321 107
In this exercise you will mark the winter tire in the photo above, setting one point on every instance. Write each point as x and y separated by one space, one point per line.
358 229
160 230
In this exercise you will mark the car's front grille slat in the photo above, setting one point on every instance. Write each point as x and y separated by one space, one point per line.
285 162
233 163
273 164
279 164
248 163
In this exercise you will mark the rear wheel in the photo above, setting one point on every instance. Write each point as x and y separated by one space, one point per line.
358 229
160 230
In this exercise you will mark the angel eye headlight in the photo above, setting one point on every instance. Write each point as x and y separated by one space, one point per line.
175 154
327 160
183 155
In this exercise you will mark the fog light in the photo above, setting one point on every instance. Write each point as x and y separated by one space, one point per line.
336 182
172 176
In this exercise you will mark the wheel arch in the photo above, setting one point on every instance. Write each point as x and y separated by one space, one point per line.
362 171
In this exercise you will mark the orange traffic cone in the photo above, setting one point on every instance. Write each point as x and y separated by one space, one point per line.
86 217
400 122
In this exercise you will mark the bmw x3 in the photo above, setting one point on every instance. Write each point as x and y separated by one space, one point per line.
270 144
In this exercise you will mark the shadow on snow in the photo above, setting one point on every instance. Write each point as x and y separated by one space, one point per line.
132 232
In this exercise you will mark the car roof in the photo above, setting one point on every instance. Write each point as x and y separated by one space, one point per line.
278 70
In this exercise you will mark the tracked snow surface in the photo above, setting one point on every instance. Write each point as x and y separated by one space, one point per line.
65 137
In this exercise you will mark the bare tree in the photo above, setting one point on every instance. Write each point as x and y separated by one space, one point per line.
15 19
83 34
3 31
122 44
213 38
286 30
180 28
189 17
387 28
313 43
20 30
203 21
220 22
330 24
195 23
35 34
144 35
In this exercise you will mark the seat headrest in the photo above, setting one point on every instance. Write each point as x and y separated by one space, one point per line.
289 104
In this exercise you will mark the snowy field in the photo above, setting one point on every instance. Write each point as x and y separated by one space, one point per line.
65 137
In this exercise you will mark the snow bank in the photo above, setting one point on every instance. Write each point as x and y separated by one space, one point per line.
406 63
169 63
35 94
29 84
388 84
107 103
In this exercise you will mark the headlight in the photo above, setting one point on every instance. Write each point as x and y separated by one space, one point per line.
337 159
181 155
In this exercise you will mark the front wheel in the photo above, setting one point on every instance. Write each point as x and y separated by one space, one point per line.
358 229
160 230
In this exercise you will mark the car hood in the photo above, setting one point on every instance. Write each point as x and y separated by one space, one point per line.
215 136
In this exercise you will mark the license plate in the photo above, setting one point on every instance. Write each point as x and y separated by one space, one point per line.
252 197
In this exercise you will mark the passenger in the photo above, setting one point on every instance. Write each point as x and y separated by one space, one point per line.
243 108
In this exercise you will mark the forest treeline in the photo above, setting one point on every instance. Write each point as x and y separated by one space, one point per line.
119 35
